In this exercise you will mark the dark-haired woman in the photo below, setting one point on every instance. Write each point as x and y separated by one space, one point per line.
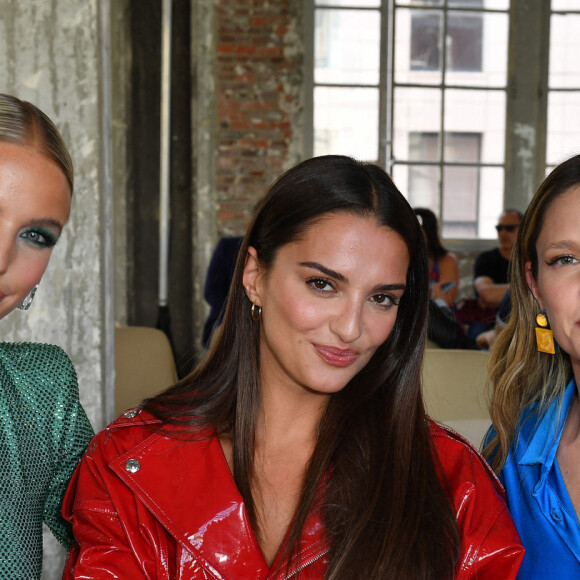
443 264
300 447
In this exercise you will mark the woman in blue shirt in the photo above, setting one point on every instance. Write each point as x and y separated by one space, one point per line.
534 445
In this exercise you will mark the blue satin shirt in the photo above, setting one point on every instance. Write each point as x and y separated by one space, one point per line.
537 497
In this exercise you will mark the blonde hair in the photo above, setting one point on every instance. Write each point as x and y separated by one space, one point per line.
24 124
519 375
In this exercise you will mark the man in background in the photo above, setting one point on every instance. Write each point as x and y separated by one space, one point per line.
491 270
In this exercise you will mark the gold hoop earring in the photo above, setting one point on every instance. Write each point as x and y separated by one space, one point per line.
544 336
256 312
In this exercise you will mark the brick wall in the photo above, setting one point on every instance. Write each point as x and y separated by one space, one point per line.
259 83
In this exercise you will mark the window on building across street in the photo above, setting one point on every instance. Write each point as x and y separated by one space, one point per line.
462 31
421 87
461 195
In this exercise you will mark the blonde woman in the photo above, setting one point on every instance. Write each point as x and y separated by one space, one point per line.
535 371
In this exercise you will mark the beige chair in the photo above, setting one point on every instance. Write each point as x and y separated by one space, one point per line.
144 365
453 389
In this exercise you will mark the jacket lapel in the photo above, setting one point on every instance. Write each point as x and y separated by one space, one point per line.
196 501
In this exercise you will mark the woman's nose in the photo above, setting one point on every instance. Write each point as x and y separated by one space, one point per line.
347 322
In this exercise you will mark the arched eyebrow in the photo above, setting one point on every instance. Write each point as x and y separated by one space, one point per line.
339 277
326 271
562 245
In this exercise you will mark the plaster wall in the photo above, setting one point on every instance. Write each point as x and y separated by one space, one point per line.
52 55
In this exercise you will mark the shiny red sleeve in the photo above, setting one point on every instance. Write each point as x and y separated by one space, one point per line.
113 537
491 548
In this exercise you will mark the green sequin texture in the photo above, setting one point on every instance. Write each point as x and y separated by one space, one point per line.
43 433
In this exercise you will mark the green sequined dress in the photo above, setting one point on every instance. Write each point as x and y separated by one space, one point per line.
43 434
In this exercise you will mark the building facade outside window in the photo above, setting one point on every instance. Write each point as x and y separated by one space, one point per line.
422 87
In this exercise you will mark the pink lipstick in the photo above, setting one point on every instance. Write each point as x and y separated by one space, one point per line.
337 357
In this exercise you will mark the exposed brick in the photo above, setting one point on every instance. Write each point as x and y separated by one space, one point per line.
257 92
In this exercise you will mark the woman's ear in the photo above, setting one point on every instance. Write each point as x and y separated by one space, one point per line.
533 286
252 276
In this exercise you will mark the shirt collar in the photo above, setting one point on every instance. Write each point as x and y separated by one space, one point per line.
546 434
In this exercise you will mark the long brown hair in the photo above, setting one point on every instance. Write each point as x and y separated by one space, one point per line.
519 375
385 511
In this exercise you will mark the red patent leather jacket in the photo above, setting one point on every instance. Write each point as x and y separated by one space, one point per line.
148 506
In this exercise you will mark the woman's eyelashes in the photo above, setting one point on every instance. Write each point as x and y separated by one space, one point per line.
321 285
39 237
385 300
564 260
324 286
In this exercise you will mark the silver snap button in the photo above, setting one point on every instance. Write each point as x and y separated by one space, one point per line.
131 413
133 466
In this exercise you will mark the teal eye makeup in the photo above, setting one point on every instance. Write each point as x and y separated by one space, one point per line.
39 237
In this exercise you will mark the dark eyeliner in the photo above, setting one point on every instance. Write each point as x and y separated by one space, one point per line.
49 237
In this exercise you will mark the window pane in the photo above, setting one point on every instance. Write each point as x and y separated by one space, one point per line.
350 3
565 5
346 121
564 51
466 212
417 47
426 42
485 4
347 46
461 185
419 2
563 126
482 112
416 110
423 186
424 146
493 52
464 41
491 184
477 45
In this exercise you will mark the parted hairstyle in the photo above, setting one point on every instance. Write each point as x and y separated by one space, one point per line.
24 124
428 219
385 511
519 375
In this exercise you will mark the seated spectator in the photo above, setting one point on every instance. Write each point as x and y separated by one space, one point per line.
443 328
443 265
217 283
486 339
490 272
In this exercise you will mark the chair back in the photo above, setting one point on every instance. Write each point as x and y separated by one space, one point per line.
144 365
453 390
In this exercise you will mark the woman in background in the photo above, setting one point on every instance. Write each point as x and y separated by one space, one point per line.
535 370
300 446
443 329
43 428
443 264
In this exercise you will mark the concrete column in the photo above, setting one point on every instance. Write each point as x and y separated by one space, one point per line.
53 56
56 55
526 119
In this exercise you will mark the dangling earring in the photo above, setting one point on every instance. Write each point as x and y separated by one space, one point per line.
544 336
27 300
256 312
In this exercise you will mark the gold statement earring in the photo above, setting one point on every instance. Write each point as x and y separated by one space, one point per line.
256 312
544 336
